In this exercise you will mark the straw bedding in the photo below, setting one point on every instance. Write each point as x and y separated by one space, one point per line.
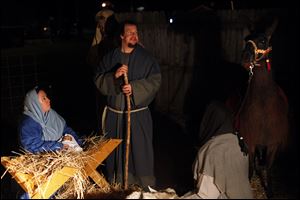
40 167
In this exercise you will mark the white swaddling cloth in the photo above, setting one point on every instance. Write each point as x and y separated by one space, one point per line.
71 143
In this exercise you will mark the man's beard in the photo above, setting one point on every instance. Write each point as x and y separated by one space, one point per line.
130 45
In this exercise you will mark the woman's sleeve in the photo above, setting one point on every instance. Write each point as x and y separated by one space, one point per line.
31 138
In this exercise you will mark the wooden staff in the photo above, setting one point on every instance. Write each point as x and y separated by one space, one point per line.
128 135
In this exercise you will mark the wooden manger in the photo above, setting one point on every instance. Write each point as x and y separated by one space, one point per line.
60 177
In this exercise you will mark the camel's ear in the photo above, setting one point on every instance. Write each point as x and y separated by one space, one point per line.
269 31
249 23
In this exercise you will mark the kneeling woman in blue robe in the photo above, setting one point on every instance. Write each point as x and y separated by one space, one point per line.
41 128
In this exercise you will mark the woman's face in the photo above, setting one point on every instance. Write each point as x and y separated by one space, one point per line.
44 101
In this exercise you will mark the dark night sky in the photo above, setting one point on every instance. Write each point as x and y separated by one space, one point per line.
15 12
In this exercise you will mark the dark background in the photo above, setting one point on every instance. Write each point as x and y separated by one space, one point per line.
62 65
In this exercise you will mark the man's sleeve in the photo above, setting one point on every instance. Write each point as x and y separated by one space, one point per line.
104 78
144 90
108 85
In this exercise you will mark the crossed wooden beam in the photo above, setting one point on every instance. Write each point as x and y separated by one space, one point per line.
62 176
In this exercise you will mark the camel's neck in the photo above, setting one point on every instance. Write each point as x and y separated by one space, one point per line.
262 75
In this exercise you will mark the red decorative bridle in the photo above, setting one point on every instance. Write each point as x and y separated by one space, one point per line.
259 54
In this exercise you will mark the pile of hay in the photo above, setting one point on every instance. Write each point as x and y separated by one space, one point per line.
40 167
257 188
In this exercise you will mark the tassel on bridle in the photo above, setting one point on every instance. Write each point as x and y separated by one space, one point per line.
264 55
268 65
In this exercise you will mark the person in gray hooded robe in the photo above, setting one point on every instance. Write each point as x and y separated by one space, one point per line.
221 165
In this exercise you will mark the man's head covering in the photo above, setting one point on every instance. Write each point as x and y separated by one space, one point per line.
52 123
217 120
103 14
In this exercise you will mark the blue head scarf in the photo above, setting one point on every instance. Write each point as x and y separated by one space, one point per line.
52 123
